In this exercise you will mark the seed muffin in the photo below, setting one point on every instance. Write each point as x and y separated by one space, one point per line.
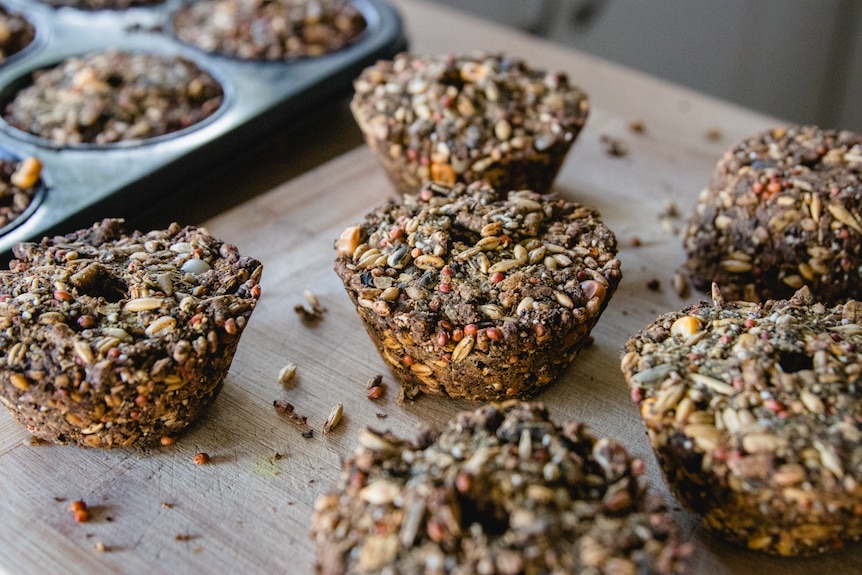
113 339
20 181
502 490
475 293
782 210
114 96
291 29
468 118
16 33
754 414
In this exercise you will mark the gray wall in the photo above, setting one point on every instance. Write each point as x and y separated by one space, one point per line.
795 59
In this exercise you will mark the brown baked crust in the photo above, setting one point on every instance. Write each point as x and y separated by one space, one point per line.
468 118
502 490
114 339
782 210
473 293
291 29
754 414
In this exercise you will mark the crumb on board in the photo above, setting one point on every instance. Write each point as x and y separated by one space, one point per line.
311 312
287 373
614 146
80 511
334 418
375 387
287 409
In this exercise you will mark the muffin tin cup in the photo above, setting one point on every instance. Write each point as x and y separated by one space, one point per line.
85 182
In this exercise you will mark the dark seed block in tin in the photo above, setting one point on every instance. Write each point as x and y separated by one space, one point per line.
468 118
114 96
112 339
755 416
278 30
16 33
476 293
504 489
20 181
783 209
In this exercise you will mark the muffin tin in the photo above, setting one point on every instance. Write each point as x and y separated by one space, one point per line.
83 183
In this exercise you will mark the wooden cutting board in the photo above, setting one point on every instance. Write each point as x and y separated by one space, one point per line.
249 509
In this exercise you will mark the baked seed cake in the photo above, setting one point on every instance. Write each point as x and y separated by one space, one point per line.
112 339
16 33
276 30
501 490
755 416
114 96
20 180
475 293
782 210
452 119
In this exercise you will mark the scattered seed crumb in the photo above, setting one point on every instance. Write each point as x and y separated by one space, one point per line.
202 458
33 441
167 440
287 373
60 499
635 242
286 409
311 312
79 509
278 456
100 546
637 126
374 381
334 418
713 134
375 387
614 146
653 284
308 434
670 210
184 537
167 505
680 285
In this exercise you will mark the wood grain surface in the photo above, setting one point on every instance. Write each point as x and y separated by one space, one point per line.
249 509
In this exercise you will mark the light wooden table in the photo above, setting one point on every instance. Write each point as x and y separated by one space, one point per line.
248 510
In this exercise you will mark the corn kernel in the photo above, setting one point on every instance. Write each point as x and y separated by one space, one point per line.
685 326
648 413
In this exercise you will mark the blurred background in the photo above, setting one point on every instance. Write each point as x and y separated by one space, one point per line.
800 60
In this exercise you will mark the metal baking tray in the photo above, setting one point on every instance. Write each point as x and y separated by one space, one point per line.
84 183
